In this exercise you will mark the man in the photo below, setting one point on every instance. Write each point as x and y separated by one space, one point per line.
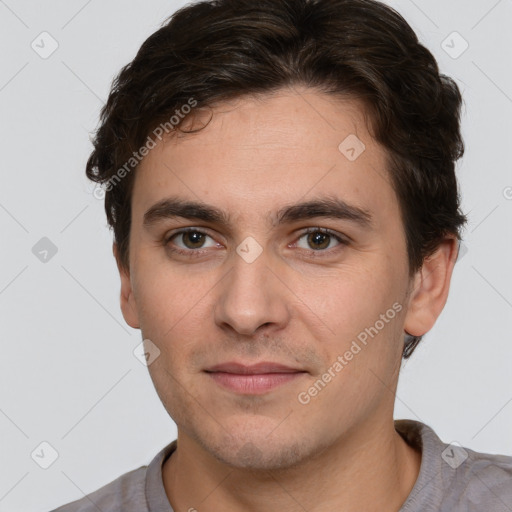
279 176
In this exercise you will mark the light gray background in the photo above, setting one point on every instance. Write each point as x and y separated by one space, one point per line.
68 375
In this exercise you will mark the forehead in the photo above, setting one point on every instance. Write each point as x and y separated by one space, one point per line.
259 153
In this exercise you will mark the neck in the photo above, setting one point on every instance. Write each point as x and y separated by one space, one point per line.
367 467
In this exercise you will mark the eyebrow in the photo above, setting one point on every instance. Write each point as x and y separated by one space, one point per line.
327 207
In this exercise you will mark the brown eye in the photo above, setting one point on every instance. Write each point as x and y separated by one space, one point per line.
318 240
189 240
193 239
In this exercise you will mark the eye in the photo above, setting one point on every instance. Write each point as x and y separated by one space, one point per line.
194 242
319 239
191 239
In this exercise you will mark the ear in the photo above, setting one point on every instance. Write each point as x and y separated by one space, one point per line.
128 304
430 288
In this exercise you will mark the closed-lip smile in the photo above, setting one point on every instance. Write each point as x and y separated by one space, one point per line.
253 379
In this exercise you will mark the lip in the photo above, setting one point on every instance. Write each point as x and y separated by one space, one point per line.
253 369
255 379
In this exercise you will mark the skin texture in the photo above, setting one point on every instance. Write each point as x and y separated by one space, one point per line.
293 305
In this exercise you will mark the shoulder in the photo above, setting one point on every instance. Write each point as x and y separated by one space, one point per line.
124 494
483 481
455 478
130 492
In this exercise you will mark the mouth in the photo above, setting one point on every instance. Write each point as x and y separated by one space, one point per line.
255 379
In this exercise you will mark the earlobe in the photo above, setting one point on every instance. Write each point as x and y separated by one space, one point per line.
430 288
127 299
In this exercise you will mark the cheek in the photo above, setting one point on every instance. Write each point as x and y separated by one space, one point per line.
168 298
173 389
355 305
362 355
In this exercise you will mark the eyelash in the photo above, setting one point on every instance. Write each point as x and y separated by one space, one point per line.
199 252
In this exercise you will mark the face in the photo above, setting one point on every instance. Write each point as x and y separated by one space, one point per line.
293 254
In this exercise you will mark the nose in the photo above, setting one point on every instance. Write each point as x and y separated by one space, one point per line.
251 297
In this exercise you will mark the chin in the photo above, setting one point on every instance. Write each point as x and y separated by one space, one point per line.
256 452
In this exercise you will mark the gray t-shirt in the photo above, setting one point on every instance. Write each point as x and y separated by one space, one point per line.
451 479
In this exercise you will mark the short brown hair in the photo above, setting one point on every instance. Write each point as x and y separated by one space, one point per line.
217 50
